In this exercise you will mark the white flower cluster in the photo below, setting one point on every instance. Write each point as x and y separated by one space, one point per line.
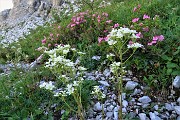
98 93
69 72
114 66
57 56
120 33
135 45
47 85
70 88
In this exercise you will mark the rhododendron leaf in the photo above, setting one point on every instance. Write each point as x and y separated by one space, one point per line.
177 72
165 57
169 71
171 65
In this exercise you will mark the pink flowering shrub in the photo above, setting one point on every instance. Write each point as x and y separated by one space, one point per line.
147 27
87 25
84 27
53 39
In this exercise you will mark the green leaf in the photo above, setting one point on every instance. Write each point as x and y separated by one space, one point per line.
169 71
177 72
171 65
165 57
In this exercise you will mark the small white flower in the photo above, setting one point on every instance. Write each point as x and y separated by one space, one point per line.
113 32
42 85
73 49
96 57
135 45
111 42
103 95
50 52
69 64
65 51
75 83
81 68
109 55
114 66
119 34
49 86
70 89
81 53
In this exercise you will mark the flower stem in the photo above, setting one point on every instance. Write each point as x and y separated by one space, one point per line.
120 86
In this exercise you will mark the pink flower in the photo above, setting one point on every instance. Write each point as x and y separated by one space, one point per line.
153 42
59 27
100 39
141 24
116 25
105 14
135 20
150 43
135 9
131 42
146 29
72 25
139 34
105 31
155 38
56 44
108 21
99 20
146 16
49 45
94 15
78 19
51 34
139 6
77 23
106 38
161 38
73 19
43 41
99 17
57 35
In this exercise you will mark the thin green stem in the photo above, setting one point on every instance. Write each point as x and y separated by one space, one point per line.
120 86
68 105
129 56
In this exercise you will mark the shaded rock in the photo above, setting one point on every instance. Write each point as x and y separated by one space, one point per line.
109 114
153 116
142 116
127 79
177 109
178 118
132 115
130 85
176 82
125 103
99 117
136 91
169 107
144 99
145 105
90 113
173 116
105 83
107 72
178 100
156 107
110 108
98 107
124 110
